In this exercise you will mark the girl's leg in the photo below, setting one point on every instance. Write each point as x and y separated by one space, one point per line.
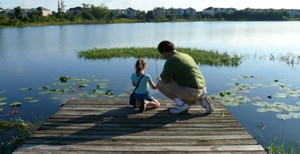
154 103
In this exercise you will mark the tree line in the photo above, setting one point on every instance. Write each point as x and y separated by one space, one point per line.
101 14
89 13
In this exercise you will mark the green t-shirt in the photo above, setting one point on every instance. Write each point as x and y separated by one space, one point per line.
182 69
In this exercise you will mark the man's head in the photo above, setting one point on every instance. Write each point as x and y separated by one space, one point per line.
165 46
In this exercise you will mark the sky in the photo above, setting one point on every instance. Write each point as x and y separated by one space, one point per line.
146 5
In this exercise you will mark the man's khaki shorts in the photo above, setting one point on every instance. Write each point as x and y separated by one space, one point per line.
187 94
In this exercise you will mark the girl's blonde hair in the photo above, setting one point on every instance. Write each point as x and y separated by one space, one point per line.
140 65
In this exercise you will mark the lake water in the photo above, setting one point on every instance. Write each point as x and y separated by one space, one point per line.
33 57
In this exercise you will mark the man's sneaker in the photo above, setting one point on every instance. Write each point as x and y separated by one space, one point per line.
206 103
180 108
143 105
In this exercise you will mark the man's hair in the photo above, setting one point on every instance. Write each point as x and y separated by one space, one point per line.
165 46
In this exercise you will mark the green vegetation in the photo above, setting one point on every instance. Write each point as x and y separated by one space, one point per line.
283 148
21 129
249 15
211 58
90 14
241 93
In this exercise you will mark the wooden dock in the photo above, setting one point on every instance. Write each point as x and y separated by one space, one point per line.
111 126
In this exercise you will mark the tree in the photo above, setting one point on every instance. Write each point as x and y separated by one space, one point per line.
4 20
62 6
86 12
172 15
19 13
149 15
101 13
58 7
140 15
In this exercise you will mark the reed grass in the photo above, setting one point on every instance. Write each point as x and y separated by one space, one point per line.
22 130
283 148
211 58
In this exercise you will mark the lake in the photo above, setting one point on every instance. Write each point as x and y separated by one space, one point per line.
260 92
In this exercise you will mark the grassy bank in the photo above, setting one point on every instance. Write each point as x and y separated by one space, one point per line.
212 58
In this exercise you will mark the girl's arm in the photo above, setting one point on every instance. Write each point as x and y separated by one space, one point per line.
133 84
153 86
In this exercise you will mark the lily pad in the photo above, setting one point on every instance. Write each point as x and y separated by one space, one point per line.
230 84
247 76
82 94
98 92
3 98
256 98
25 89
294 115
262 110
43 92
92 96
57 91
283 116
33 101
2 103
281 95
261 103
16 104
101 85
276 109
28 98
109 93
82 85
2 91
294 95
105 80
1 109
54 98
291 108
45 87
123 95
64 79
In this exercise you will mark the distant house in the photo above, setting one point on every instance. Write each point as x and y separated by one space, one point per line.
28 11
229 10
75 10
118 12
8 11
44 11
128 13
211 11
260 10
174 12
293 12
191 12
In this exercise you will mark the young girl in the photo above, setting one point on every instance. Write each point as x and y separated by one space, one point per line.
142 91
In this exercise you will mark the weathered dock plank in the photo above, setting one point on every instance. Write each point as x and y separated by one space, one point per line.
111 126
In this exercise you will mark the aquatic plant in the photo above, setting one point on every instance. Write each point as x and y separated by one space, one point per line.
238 95
283 148
212 58
22 130
63 79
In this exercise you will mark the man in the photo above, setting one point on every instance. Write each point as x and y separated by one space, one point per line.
181 80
